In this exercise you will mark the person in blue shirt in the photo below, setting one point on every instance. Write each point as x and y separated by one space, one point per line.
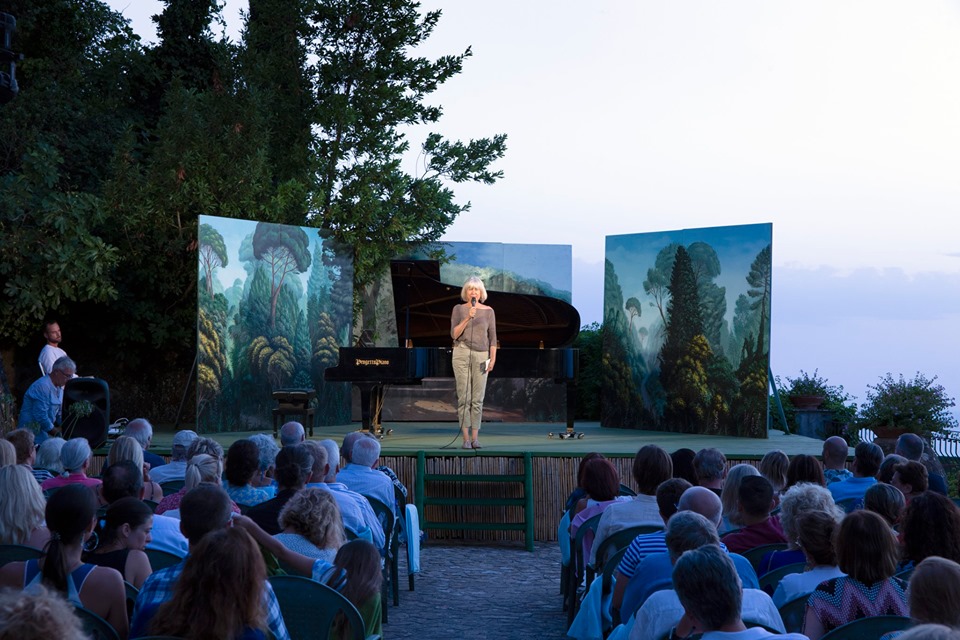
867 458
41 403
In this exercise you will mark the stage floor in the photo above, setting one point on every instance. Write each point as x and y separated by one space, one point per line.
501 438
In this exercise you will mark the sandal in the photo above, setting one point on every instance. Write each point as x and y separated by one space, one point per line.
476 445
467 445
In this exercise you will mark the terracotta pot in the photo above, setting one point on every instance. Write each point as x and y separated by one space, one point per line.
888 432
807 403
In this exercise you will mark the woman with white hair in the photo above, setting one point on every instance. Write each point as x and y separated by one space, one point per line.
473 327
800 498
21 508
47 464
75 457
268 450
127 448
730 496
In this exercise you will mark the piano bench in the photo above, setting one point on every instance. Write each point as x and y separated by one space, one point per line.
304 413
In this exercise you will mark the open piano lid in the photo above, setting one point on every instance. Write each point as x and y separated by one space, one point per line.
423 304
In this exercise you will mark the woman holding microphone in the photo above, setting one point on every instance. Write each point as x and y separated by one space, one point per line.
473 327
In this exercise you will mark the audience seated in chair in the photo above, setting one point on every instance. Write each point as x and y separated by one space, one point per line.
47 464
359 561
292 433
176 469
202 468
653 573
756 503
204 509
126 448
730 496
682 460
294 464
867 553
38 614
866 462
241 468
835 452
141 430
815 532
773 466
651 466
21 508
887 501
125 480
123 539
24 447
311 524
910 478
930 527
710 466
802 469
687 531
801 498
75 456
668 496
888 466
71 515
602 483
912 447
359 474
267 462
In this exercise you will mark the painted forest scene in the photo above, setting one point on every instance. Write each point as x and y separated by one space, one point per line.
274 306
686 330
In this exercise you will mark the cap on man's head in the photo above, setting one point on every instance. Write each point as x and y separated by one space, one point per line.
184 438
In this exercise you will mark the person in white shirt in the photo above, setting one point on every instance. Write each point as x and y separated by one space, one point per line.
51 351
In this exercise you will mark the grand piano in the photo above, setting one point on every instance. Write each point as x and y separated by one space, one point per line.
534 334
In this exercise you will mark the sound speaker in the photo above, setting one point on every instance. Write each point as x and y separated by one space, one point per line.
86 410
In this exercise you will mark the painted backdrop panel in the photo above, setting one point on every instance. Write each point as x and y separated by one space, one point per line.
274 306
686 342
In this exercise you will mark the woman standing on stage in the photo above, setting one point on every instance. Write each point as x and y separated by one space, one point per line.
473 327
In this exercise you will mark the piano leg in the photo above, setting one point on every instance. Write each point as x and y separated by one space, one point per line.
371 404
570 433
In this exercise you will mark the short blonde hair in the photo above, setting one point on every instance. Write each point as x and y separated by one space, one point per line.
38 614
730 496
126 448
8 453
934 590
473 281
21 504
202 468
314 514
773 467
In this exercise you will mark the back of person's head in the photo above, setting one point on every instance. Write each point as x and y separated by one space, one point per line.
805 468
70 513
8 453
361 561
21 504
125 512
208 446
651 466
682 460
912 475
267 449
294 466
319 453
582 467
122 480
349 440
202 468
126 448
931 527
601 480
801 499
314 514
730 495
910 446
709 464
333 457
888 467
668 495
48 456
815 535
38 614
64 365
220 592
688 530
708 587
243 460
867 458
773 467
835 451
703 501
866 550
756 496
885 500
140 430
181 444
934 592
366 451
23 443
930 632
291 433
203 509
74 454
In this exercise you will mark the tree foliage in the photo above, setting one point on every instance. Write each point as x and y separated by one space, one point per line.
213 254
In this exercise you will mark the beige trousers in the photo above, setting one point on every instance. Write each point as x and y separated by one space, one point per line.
471 385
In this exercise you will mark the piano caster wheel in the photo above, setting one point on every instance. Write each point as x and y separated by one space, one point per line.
550 435
580 436
389 432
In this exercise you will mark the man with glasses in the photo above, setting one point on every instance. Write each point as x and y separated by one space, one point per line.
41 403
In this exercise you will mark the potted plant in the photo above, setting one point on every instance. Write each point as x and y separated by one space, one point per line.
896 405
807 391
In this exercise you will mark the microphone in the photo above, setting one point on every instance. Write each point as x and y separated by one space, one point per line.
473 301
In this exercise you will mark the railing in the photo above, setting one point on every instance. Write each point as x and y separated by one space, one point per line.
946 446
